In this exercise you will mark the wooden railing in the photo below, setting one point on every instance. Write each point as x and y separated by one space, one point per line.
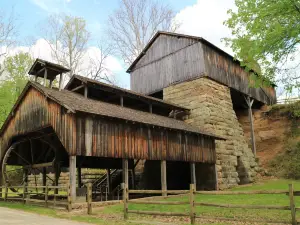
42 194
192 204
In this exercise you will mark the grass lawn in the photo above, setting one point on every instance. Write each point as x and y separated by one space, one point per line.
266 199
114 214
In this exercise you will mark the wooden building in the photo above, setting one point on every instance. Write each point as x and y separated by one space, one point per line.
90 124
194 73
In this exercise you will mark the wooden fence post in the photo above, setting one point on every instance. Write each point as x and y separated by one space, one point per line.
6 192
89 198
125 200
46 195
192 203
69 198
292 204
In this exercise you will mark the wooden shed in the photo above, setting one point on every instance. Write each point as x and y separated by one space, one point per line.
90 124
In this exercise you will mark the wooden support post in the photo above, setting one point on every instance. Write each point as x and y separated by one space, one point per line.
292 204
163 172
79 177
72 177
51 83
86 91
69 198
56 176
125 171
108 179
193 174
45 77
125 200
192 204
60 81
150 108
250 103
89 198
46 195
44 178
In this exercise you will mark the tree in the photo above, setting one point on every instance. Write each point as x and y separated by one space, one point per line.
8 31
16 68
267 32
97 65
132 25
67 36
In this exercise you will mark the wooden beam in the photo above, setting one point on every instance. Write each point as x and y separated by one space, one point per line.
193 173
41 70
250 103
163 172
40 165
79 177
60 81
72 178
45 78
77 88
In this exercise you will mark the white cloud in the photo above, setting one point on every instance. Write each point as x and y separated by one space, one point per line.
41 49
205 19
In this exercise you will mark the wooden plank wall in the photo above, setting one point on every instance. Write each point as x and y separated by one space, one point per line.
223 69
172 60
87 135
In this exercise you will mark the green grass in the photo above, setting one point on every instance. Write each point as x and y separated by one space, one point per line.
113 214
265 199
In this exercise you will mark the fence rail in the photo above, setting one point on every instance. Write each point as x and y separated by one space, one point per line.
192 204
25 194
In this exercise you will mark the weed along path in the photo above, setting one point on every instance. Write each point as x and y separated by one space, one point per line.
17 217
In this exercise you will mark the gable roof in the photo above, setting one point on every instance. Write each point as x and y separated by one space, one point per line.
152 40
123 91
74 103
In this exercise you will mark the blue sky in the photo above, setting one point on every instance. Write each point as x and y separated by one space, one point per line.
198 17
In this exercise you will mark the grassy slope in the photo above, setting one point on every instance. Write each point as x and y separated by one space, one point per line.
113 214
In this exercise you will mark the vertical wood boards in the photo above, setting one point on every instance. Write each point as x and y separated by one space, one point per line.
72 177
172 60
85 135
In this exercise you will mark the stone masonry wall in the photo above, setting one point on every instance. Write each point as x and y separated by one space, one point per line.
212 110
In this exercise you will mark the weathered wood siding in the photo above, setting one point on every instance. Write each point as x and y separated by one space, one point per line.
172 60
87 135
169 60
223 69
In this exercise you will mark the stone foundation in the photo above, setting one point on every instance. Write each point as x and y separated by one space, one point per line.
212 110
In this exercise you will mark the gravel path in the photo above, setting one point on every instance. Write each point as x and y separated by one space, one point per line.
18 217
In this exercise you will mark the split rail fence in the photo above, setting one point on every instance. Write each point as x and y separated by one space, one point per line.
47 195
192 204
